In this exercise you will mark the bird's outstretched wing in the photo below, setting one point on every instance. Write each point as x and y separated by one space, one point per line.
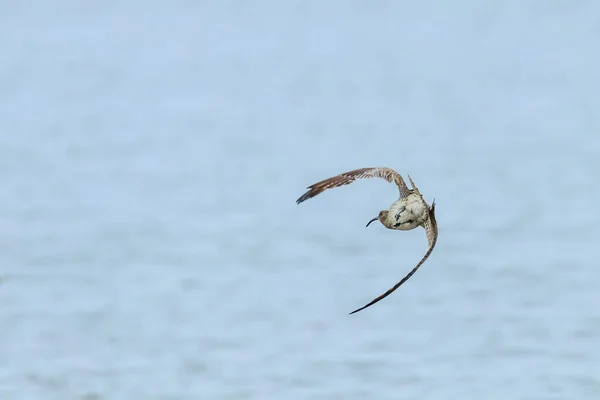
431 231
347 178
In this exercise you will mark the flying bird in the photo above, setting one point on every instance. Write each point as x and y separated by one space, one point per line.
406 213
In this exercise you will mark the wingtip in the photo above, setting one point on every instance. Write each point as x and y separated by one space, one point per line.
302 198
357 310
411 182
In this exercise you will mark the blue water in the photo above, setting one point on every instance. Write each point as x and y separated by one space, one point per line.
151 154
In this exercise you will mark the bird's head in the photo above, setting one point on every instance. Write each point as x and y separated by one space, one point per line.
381 217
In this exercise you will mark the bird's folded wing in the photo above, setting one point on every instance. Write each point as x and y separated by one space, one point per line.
347 178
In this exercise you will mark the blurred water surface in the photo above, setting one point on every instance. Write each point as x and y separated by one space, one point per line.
151 154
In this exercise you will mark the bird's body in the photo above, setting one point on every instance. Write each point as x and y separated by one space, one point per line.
408 212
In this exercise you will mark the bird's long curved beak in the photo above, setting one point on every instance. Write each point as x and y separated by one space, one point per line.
374 219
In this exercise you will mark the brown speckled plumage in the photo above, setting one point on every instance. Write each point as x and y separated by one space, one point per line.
408 212
348 177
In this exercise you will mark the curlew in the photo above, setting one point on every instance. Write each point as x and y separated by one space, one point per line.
406 213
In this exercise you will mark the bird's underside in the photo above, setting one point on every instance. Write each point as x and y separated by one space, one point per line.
429 222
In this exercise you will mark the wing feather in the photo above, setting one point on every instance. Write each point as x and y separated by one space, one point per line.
347 178
431 231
